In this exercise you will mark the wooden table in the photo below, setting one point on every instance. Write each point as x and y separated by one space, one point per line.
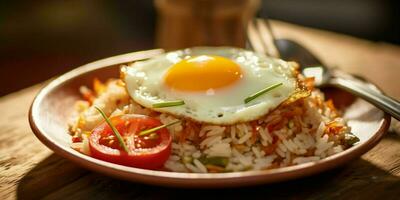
29 170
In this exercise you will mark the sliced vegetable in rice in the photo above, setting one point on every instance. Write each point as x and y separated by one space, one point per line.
351 139
217 161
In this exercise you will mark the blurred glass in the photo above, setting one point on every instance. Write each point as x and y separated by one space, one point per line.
186 23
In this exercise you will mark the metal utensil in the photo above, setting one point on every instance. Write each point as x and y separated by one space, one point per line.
312 67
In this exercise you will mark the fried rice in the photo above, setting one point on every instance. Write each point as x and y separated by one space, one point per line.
305 130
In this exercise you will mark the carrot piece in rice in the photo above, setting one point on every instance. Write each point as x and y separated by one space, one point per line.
277 126
333 127
270 149
214 168
98 86
254 129
309 82
87 94
332 107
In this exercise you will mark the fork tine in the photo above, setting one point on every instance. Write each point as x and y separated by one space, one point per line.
253 38
268 37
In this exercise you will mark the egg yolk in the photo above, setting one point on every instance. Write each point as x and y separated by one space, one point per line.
201 73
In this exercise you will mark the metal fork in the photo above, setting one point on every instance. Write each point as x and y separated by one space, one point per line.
258 32
261 38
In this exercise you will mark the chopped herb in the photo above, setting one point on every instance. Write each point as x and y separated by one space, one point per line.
121 141
261 92
148 131
351 139
217 161
168 104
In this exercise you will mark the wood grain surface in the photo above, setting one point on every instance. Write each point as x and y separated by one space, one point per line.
28 170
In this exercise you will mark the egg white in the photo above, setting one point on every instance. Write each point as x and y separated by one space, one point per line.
145 84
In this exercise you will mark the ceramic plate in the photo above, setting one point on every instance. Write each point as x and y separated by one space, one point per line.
54 104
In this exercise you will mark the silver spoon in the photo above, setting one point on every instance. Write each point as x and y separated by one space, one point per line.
312 67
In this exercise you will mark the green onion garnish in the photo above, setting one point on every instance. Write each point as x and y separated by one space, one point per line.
148 131
168 104
261 92
121 141
351 139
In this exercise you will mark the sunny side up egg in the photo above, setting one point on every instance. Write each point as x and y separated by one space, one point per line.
213 83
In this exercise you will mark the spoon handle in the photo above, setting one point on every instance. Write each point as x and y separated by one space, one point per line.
364 91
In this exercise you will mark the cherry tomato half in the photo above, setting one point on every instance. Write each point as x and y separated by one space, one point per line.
147 152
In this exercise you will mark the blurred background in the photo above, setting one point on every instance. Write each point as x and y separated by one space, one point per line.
41 39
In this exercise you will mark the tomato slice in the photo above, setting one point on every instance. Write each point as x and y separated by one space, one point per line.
147 152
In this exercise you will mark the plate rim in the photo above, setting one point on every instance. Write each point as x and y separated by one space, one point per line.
179 179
